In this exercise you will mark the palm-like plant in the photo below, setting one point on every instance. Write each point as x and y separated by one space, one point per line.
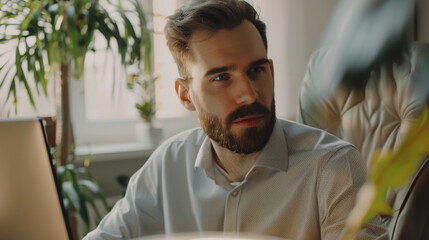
79 192
50 40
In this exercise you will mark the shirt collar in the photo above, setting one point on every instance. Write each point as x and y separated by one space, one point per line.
205 158
274 155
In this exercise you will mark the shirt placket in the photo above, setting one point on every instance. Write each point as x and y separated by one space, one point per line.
231 210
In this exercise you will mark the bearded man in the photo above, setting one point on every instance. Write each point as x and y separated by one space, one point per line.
244 170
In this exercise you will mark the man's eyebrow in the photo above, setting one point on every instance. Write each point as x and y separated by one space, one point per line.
261 61
227 68
217 70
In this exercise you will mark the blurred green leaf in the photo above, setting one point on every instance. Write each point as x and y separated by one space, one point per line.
91 201
34 7
66 202
73 180
391 170
81 191
60 173
73 32
91 24
146 109
72 195
94 188
12 90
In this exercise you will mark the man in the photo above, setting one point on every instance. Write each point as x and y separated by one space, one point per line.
243 170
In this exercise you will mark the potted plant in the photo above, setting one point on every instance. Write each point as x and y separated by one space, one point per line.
50 39
143 85
142 81
145 89
80 191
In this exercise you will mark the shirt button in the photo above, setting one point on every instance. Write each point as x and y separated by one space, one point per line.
234 194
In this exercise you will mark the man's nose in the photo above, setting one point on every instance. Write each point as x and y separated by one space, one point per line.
244 91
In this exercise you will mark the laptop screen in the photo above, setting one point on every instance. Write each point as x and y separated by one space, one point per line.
30 204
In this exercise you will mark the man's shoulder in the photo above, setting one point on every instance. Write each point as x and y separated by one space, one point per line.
189 138
304 137
181 147
325 151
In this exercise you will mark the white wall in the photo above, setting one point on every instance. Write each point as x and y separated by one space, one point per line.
294 29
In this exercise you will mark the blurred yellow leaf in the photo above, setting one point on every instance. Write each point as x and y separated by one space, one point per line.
389 170
87 160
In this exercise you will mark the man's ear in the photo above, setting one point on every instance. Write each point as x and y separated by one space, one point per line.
272 67
182 90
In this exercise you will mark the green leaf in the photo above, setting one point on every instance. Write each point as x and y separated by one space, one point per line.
60 173
12 90
72 194
394 169
94 188
73 32
5 77
21 76
91 200
66 202
53 12
145 37
79 4
91 24
147 109
34 8
7 15
128 25
29 92
100 194
73 180
41 73
103 28
115 33
5 40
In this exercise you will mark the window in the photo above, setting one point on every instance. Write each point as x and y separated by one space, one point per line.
103 115
106 96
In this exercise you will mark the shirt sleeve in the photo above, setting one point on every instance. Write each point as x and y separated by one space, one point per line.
340 179
139 213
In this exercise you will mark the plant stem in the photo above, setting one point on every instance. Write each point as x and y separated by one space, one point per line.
63 125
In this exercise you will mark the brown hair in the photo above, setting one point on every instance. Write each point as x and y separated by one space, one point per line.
211 15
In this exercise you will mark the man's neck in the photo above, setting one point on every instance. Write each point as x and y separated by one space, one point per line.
235 165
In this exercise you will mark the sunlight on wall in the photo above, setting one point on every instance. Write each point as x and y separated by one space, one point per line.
168 104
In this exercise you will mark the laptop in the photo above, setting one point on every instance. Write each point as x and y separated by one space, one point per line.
30 198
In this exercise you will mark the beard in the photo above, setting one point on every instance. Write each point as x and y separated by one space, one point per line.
251 140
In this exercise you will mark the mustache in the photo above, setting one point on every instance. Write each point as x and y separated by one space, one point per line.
246 110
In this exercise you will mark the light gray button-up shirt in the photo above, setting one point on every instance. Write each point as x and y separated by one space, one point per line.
302 186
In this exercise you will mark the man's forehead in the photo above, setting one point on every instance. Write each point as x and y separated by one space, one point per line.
243 31
243 40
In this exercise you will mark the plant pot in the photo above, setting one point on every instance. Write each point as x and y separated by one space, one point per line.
148 134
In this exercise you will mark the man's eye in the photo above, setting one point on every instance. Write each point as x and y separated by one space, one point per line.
221 77
256 70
